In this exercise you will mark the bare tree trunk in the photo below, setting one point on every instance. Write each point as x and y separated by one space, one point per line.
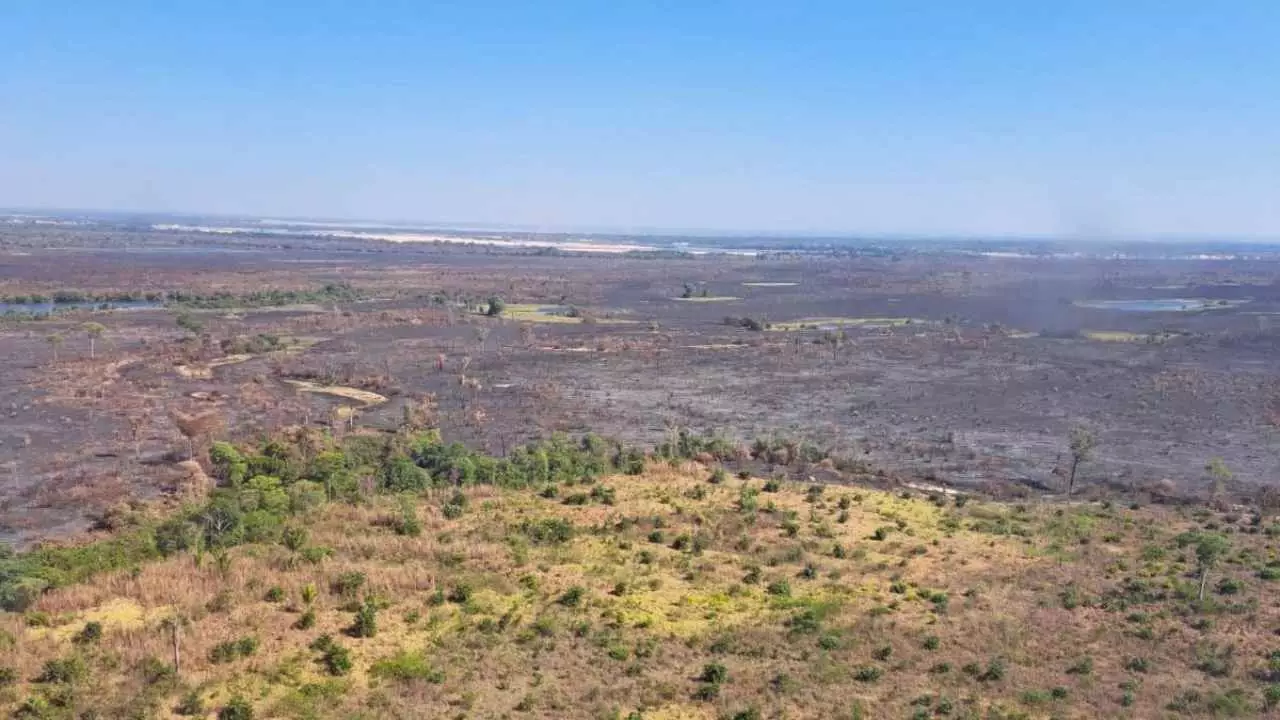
177 651
1071 479
1204 580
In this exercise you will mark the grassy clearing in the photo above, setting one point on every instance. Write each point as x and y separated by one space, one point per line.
681 591
364 397
833 323
523 312
1125 337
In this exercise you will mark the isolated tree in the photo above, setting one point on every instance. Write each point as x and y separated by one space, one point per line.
1219 476
94 331
55 341
174 625
496 306
1082 443
194 427
190 323
1210 547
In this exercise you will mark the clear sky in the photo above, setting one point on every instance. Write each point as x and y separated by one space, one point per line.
1074 117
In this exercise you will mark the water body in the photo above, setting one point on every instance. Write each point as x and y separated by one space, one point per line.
48 308
1161 304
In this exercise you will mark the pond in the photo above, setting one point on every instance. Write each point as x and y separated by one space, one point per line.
46 308
1161 304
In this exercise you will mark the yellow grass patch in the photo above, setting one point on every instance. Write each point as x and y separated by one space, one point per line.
365 397
832 323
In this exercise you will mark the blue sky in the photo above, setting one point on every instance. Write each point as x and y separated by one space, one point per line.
1117 117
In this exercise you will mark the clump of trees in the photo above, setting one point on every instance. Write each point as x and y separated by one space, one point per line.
748 323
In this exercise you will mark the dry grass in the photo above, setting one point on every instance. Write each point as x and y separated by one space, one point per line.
653 611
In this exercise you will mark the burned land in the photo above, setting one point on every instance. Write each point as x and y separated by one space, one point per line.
951 369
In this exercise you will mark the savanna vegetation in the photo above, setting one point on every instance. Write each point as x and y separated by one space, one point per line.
396 575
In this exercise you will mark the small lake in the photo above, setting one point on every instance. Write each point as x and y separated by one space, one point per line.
1161 304
47 308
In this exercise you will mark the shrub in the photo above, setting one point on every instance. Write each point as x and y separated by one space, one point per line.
572 597
306 620
408 525
155 671
882 653
1229 586
1084 666
714 673
274 595
1058 693
336 659
1271 697
366 622
308 593
1137 664
237 708
405 666
460 593
707 692
995 671
781 588
191 704
232 650
90 633
68 671
931 642
548 531
8 676
347 584
772 485
295 537
867 674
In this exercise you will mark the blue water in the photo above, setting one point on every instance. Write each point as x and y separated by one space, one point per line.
1155 305
46 308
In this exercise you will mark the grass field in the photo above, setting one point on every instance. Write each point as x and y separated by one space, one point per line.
683 591
832 323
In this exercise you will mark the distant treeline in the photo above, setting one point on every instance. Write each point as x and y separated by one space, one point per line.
82 297
331 292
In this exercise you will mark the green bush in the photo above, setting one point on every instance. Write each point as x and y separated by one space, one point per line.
572 597
66 671
366 621
90 633
406 666
237 708
190 705
867 674
780 588
347 584
713 673
232 650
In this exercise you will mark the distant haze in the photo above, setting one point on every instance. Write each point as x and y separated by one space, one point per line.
1083 119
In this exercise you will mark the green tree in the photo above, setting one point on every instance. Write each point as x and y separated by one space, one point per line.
1081 443
190 323
496 307
1209 547
55 341
94 331
1219 476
